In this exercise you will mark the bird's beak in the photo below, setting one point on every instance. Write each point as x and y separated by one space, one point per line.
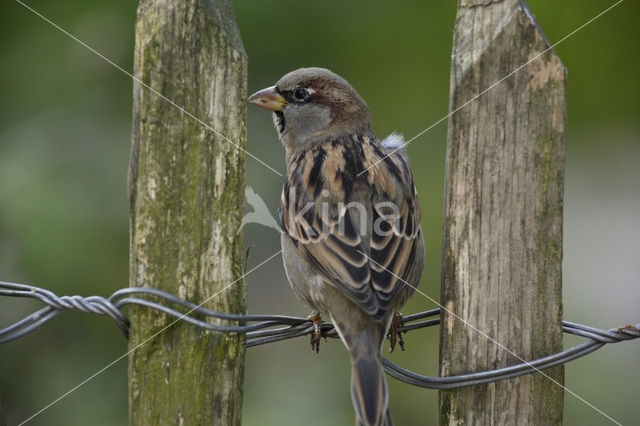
268 99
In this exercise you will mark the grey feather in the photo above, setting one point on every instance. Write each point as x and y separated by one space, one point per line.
393 142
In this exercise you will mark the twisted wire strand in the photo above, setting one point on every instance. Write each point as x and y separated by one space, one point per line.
274 328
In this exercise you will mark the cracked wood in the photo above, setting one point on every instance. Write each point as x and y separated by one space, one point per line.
186 187
502 240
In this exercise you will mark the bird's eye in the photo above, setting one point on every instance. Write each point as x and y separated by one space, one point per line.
300 93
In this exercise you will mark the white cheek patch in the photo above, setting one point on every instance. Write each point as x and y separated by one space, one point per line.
310 91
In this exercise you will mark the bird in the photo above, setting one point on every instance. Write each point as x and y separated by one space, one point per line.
352 243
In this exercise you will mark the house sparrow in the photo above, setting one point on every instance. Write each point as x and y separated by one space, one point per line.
351 223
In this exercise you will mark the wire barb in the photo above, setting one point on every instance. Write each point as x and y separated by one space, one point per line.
263 329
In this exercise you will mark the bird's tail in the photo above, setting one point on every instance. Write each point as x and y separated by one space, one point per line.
368 385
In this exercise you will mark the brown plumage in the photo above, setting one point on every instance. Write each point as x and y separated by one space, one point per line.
352 234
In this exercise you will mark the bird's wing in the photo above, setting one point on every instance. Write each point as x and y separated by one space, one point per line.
396 208
366 263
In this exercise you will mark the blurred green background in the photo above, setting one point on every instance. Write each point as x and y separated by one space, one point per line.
65 124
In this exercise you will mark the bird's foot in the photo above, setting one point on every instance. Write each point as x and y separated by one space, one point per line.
394 335
316 319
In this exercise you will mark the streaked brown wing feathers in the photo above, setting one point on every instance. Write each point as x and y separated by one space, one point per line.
368 275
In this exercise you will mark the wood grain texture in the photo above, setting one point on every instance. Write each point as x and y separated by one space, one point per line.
502 241
186 188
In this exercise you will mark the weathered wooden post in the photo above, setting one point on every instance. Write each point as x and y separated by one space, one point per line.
502 247
186 187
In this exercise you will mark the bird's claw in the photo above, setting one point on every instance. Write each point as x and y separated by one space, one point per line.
394 335
316 319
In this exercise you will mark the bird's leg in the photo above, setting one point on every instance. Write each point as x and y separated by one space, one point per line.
394 335
316 319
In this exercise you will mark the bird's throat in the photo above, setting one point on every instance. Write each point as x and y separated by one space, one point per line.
278 120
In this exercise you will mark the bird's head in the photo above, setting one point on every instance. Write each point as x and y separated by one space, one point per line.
311 105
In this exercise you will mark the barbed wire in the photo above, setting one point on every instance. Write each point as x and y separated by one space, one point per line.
273 328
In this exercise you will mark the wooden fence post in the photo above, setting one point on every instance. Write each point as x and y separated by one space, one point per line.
502 241
186 187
